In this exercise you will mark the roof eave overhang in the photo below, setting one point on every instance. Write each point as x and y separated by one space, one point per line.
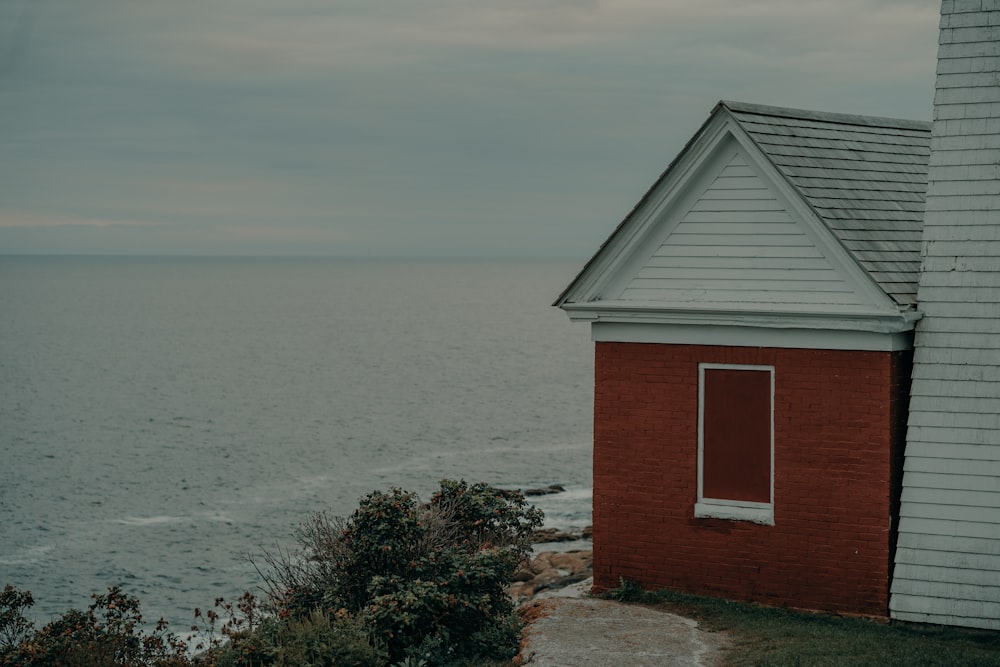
879 321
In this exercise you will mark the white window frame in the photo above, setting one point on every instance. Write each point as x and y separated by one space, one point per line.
721 508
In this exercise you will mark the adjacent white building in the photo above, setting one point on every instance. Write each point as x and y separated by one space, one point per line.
948 553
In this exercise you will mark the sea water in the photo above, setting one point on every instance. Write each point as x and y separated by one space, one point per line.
161 418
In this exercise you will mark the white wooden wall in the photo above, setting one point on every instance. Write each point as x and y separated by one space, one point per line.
739 246
948 557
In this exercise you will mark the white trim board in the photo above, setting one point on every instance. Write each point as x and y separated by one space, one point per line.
747 336
721 508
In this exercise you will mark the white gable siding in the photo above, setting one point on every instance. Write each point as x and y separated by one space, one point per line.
739 245
948 556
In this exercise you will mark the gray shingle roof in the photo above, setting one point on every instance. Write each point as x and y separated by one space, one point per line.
865 178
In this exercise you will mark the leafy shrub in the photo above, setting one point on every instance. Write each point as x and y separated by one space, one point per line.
428 579
317 639
14 627
397 582
108 634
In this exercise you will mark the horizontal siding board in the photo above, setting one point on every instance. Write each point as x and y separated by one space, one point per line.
780 276
962 65
972 585
947 202
953 419
961 248
736 263
948 472
941 449
963 341
964 372
962 279
739 298
742 205
940 546
947 527
713 223
935 435
733 285
981 518
737 183
947 608
948 389
954 310
976 294
749 194
748 219
961 264
962 498
738 240
952 560
969 232
947 478
738 251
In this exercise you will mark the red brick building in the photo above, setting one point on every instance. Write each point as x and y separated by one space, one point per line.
753 319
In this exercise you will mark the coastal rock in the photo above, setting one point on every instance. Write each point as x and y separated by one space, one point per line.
545 491
545 535
551 570
572 562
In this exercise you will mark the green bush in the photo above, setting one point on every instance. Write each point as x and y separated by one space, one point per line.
108 634
397 582
14 627
430 580
317 639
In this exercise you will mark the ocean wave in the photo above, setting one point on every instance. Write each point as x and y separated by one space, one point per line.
149 520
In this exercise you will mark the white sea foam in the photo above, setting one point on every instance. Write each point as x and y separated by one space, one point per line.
148 520
30 556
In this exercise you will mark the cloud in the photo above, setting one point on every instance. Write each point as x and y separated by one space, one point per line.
258 37
29 220
405 122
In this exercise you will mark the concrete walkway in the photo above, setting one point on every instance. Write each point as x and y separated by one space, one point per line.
571 631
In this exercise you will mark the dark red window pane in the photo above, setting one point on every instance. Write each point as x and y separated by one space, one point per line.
737 435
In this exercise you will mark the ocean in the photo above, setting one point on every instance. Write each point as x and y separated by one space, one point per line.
162 418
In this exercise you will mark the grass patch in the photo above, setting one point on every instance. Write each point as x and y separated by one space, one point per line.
770 636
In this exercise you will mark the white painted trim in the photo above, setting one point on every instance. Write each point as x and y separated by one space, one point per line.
721 508
731 510
825 319
749 336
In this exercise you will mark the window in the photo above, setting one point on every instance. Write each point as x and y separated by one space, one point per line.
736 442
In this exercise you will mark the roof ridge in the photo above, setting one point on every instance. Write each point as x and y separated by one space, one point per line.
826 116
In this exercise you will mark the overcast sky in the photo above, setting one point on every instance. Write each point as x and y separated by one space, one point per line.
401 127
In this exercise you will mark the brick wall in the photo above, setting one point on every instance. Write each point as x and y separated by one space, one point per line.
839 420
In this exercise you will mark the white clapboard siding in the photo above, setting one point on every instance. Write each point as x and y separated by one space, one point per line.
948 556
738 245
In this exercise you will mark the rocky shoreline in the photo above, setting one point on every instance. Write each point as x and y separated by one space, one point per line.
552 570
